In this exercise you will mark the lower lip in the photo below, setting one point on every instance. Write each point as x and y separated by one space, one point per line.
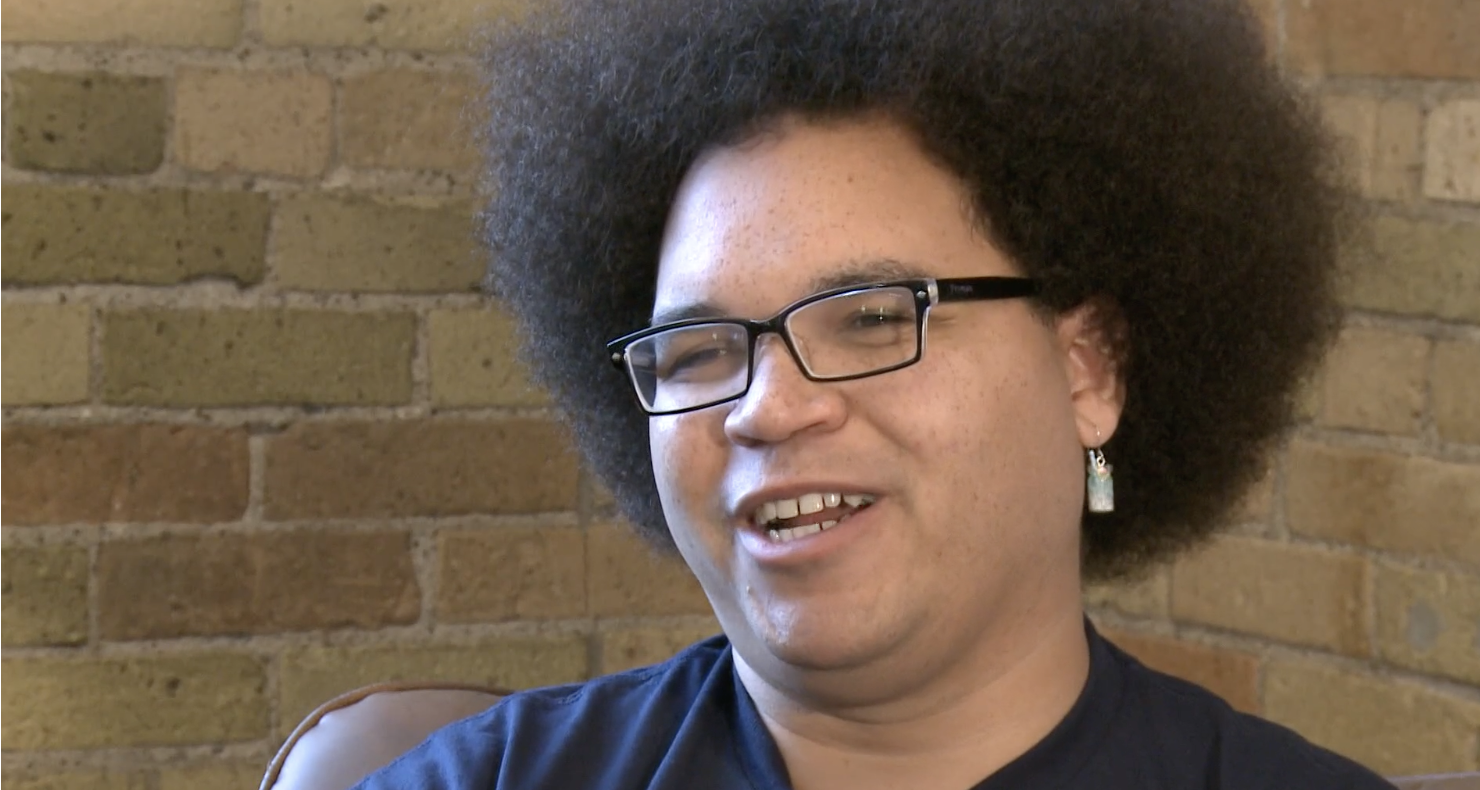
809 548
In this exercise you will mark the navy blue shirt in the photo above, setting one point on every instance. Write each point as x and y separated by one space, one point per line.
689 722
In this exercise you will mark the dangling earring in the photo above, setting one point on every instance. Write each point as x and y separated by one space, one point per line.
1100 486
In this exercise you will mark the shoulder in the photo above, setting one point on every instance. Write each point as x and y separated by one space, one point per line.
1244 751
530 734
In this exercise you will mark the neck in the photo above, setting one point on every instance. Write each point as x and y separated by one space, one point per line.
968 720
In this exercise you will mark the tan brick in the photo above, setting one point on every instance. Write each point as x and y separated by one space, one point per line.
1231 674
66 235
512 573
1295 594
93 703
630 648
206 585
330 243
1416 38
218 775
1385 501
1381 143
1258 502
178 473
430 25
474 361
1429 620
1395 728
44 595
627 577
254 357
1456 391
91 122
1453 152
414 120
312 676
1418 267
425 468
277 123
80 780
1145 597
1376 380
45 353
170 23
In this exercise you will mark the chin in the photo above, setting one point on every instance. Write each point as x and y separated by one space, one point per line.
819 640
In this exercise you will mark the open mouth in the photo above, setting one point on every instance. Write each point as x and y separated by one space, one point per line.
784 520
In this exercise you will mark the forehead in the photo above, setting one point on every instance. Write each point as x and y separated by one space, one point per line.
757 225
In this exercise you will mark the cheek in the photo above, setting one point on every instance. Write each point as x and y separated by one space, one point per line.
686 467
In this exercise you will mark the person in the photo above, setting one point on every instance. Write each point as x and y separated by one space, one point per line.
897 320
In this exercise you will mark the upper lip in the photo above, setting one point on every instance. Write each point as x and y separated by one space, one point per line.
745 507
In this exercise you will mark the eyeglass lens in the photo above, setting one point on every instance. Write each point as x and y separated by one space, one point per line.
843 336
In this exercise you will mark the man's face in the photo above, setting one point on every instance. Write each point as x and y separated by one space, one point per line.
971 459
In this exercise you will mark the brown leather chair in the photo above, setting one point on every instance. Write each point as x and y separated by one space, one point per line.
350 736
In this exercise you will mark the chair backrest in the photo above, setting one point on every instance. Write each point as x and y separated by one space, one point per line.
349 737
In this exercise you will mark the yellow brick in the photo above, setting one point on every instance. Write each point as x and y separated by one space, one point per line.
331 243
115 702
79 780
89 122
45 353
312 676
431 25
415 120
216 776
1418 267
1295 594
1146 597
1453 152
45 595
247 357
1380 143
508 573
170 23
1456 391
62 235
474 361
275 123
1376 380
1384 500
1394 727
1429 620
629 648
627 577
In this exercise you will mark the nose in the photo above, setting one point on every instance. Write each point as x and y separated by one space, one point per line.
781 401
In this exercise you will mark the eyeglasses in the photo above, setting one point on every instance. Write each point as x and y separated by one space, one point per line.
837 335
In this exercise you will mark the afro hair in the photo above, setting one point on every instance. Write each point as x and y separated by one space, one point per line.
1144 153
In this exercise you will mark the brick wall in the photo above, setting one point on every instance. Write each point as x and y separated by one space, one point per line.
264 442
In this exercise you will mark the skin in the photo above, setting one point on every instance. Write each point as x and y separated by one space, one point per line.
945 639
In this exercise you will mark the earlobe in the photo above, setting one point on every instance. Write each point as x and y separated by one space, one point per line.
1091 339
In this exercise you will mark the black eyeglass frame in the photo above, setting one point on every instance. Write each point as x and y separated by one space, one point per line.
928 292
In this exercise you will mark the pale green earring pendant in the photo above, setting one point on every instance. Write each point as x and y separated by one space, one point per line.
1100 487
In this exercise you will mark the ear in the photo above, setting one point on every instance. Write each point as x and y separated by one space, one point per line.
1092 339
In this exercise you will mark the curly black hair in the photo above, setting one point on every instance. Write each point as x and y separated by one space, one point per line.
1144 153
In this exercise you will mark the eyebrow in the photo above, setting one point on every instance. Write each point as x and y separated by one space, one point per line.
852 273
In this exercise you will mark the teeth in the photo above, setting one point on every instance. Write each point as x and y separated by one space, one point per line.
785 535
805 505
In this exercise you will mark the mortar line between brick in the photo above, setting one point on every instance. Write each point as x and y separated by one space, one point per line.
426 556
421 363
94 355
256 479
